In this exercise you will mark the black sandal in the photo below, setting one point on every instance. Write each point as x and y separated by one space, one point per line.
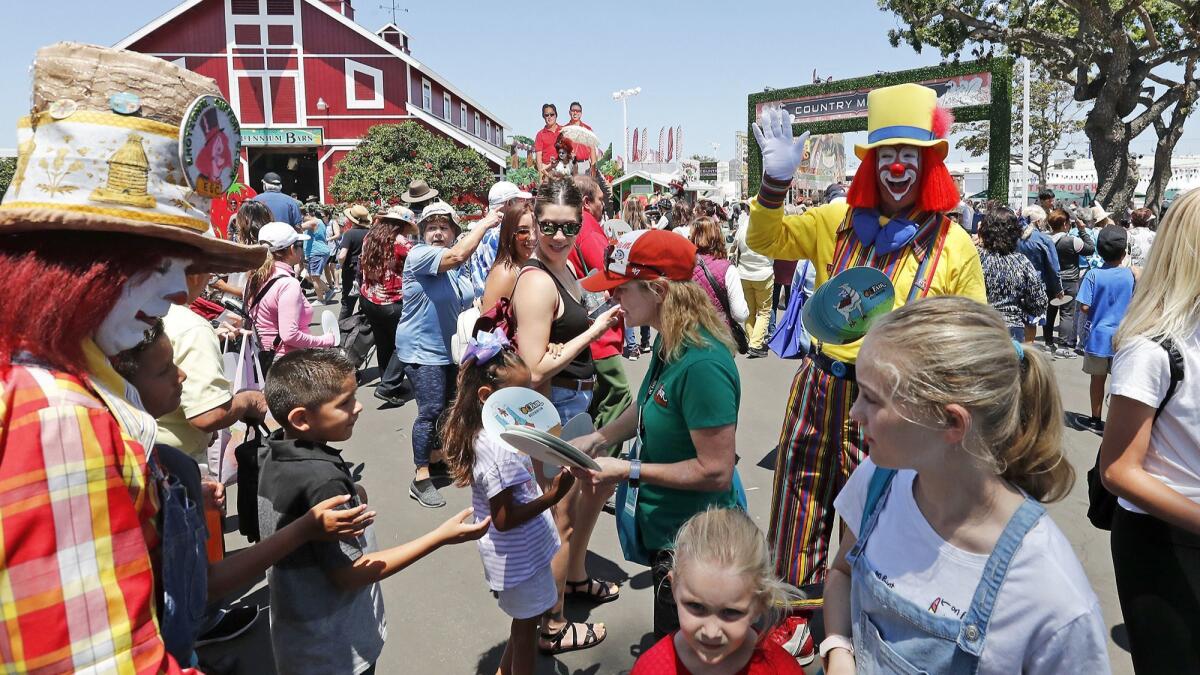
589 638
602 596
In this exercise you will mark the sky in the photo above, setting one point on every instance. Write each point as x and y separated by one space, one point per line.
696 62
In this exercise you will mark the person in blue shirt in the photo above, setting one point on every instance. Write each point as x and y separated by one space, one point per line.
317 252
1038 247
284 209
1104 296
436 288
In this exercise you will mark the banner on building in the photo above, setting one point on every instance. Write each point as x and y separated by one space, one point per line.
953 92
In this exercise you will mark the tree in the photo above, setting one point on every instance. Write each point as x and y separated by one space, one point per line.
1053 116
379 169
1132 59
703 158
8 166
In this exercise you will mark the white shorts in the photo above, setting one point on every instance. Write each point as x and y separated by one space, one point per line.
530 598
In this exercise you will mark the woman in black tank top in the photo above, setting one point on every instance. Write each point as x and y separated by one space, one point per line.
553 337
548 302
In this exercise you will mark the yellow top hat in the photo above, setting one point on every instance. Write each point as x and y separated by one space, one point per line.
123 142
902 115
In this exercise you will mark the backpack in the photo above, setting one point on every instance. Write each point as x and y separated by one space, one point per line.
253 304
357 338
250 455
1102 504
735 329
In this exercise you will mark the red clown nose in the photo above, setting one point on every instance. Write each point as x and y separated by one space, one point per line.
897 169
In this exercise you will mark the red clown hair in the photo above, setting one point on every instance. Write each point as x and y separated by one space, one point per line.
936 190
58 287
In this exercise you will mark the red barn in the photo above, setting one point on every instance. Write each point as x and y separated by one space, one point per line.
307 81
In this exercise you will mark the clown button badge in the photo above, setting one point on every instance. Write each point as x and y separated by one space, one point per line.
210 143
843 308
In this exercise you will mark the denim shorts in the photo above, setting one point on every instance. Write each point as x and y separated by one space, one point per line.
316 264
569 402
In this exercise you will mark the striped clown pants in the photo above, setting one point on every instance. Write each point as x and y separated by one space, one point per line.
819 447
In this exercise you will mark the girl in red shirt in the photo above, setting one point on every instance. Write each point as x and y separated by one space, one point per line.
723 582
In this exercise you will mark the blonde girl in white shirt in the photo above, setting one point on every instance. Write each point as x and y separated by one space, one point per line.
1150 456
949 563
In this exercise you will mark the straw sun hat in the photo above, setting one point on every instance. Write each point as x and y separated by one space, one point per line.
126 143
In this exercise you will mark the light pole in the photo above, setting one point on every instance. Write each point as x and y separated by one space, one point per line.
622 96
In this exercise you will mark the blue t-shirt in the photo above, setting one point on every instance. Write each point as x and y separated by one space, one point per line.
283 208
316 244
1106 291
432 303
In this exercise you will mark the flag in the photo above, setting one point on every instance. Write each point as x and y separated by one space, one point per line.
662 137
679 141
670 143
636 156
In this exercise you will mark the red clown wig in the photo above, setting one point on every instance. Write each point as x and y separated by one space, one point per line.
58 287
936 190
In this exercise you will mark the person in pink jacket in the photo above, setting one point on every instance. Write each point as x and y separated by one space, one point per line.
280 312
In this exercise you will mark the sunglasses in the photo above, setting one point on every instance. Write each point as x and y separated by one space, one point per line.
568 227
549 114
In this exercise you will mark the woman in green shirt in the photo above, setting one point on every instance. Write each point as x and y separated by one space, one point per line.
687 406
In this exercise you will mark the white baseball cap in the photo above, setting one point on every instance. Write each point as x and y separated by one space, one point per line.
278 236
503 191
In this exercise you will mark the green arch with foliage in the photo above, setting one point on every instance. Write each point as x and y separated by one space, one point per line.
998 112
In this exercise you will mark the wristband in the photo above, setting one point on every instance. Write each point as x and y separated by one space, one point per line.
832 642
635 471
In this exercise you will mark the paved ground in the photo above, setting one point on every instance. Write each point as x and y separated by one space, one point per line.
442 619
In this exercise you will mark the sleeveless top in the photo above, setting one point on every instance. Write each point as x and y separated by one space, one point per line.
717 268
573 323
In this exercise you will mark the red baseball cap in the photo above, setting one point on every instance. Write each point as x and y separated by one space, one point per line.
644 255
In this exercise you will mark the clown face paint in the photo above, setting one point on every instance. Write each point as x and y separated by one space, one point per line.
899 167
146 296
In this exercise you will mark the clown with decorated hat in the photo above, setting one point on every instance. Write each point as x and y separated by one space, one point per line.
106 215
893 220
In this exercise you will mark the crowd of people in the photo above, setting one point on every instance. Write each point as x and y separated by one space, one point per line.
133 343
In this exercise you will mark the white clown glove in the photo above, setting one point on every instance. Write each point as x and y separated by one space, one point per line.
781 154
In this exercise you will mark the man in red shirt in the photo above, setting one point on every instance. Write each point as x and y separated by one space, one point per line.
543 143
582 152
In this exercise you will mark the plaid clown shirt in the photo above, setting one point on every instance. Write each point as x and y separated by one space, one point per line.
77 526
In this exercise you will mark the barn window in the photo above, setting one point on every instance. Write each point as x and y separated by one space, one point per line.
426 95
462 115
364 86
446 110
244 6
477 127
280 7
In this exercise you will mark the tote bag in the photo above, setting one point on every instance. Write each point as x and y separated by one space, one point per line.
790 340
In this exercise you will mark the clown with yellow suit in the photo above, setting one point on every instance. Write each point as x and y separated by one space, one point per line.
893 220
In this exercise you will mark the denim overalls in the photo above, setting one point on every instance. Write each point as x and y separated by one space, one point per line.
895 635
184 558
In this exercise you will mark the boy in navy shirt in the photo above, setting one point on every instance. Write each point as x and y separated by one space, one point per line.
1104 295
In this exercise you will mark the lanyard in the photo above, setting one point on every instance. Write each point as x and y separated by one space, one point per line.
655 373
